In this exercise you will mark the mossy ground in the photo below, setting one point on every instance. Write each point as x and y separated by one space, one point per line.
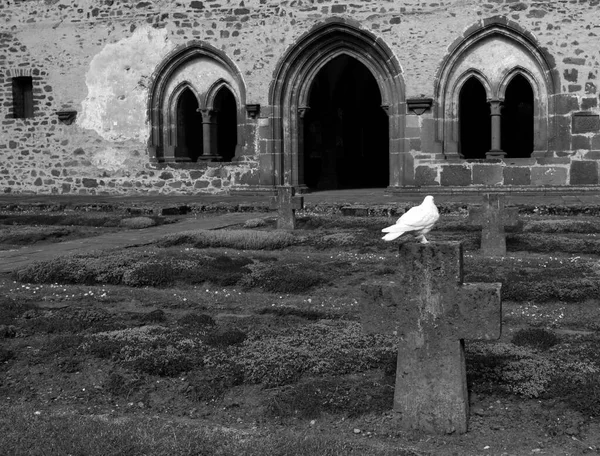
230 350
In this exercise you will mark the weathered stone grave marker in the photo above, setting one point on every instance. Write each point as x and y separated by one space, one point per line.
431 312
493 217
286 204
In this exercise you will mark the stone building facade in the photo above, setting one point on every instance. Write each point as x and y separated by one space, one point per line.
189 96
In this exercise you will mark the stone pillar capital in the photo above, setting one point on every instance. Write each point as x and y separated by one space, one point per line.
208 115
496 106
302 110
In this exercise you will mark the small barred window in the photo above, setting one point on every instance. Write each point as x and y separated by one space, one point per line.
22 88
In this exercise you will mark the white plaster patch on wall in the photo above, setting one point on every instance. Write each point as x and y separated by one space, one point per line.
114 160
115 106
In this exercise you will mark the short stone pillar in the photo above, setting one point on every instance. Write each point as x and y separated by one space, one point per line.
286 204
493 217
209 136
431 312
496 121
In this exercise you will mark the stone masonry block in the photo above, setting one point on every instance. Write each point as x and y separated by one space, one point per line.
584 172
585 122
487 174
455 175
426 175
562 140
548 175
565 104
515 175
581 142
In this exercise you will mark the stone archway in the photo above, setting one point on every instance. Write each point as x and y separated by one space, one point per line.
290 91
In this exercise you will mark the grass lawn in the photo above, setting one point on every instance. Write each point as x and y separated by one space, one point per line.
247 341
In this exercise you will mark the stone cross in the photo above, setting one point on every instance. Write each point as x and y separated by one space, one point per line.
493 216
431 312
286 204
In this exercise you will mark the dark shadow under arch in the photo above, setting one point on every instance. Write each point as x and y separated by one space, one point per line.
517 119
189 127
474 120
226 109
345 129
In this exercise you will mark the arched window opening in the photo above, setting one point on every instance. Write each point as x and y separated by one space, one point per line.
474 120
181 105
346 139
226 109
517 119
189 128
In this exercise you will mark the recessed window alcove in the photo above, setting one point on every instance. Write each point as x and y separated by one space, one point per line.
196 107
495 95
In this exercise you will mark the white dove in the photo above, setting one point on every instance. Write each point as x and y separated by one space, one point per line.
419 219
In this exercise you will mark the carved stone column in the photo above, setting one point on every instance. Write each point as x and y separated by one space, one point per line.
209 135
299 180
496 115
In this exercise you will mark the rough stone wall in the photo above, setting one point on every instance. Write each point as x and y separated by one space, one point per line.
98 56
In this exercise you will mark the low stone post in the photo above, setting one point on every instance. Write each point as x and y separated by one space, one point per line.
286 204
493 217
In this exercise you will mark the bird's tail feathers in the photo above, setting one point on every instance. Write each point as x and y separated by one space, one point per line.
397 228
392 236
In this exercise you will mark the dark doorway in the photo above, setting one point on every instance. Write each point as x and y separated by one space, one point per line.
517 119
226 124
346 131
474 120
189 128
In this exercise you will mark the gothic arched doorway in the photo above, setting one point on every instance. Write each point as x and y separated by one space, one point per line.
517 119
474 120
346 140
189 127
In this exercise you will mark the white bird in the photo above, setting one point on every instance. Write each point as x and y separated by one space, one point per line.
419 219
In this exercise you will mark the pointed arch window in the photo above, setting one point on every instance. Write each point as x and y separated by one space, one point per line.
520 81
474 120
189 145
517 118
226 131
193 91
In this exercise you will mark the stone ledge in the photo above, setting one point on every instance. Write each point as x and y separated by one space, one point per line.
519 189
